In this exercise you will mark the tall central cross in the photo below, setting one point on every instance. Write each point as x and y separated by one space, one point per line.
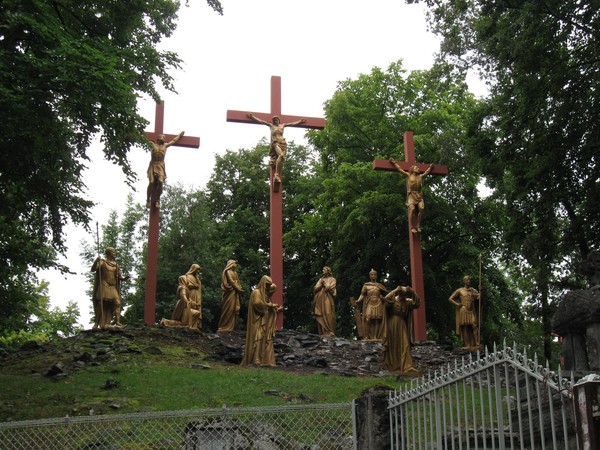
416 258
152 261
276 208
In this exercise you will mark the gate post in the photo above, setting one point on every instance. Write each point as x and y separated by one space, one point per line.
587 411
373 419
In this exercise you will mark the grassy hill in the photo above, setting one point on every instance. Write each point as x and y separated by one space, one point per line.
156 369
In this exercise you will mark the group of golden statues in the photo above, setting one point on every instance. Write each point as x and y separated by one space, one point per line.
385 316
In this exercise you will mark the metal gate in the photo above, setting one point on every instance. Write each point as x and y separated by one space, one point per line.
498 400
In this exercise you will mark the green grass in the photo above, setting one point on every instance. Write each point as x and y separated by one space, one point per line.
164 382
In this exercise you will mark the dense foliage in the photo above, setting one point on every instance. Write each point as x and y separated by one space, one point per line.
537 136
70 71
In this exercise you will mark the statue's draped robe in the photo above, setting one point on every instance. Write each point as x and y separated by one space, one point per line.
230 301
400 331
324 305
188 309
260 330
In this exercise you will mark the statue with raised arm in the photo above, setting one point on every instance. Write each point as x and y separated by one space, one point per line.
397 355
466 301
156 170
278 149
414 194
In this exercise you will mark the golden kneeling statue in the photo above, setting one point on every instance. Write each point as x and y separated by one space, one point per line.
188 310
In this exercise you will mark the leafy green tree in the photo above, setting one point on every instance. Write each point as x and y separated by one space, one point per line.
69 71
536 137
359 217
44 323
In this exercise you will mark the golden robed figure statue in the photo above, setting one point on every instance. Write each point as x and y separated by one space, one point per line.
188 309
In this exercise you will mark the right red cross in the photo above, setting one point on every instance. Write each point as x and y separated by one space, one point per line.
416 258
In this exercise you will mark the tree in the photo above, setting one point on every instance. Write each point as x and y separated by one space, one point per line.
358 219
536 137
43 323
69 71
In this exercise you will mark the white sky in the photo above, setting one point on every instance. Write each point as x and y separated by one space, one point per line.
228 64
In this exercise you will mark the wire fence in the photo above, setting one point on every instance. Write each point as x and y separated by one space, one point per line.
302 427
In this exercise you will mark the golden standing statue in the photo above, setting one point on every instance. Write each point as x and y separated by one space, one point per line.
262 315
373 312
156 170
466 300
278 149
323 307
231 298
400 304
107 290
414 194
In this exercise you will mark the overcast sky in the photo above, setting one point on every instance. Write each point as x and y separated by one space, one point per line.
228 64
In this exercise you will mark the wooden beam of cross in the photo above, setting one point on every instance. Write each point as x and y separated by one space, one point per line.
276 208
152 261
416 257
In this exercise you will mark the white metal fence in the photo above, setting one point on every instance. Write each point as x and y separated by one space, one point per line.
497 400
302 427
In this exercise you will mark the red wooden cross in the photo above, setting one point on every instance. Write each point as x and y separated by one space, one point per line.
416 258
276 213
152 261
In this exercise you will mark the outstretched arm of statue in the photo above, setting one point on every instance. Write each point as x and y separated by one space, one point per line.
398 168
257 119
429 169
297 122
175 139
